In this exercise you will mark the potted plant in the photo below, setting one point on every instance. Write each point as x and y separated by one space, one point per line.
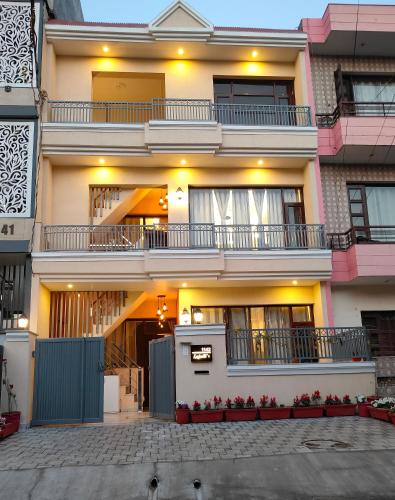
363 405
208 414
182 413
270 410
239 409
12 415
303 409
380 408
334 407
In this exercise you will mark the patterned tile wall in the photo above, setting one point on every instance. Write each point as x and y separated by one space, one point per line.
323 68
334 187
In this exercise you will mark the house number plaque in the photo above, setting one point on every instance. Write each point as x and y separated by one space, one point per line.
201 353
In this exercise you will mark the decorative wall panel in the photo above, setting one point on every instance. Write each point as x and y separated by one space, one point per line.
16 61
323 68
16 167
334 187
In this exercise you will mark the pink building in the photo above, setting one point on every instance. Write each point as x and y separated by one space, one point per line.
352 62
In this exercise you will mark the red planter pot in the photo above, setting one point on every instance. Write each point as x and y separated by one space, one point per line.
274 413
363 409
392 417
369 399
240 414
182 416
342 410
207 416
379 413
12 417
8 429
308 412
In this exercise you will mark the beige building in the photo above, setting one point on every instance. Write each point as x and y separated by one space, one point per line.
180 185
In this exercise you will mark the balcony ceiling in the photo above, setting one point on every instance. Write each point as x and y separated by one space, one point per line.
362 44
362 155
174 161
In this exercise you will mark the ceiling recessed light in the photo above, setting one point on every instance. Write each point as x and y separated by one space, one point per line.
105 49
180 51
183 162
254 53
69 285
295 282
260 162
184 285
102 161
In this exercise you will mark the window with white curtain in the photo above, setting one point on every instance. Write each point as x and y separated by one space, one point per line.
381 205
241 206
379 93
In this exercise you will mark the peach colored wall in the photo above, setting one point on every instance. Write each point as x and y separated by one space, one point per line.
72 206
183 79
363 260
148 309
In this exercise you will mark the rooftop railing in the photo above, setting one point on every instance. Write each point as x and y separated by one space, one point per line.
361 235
110 238
297 345
200 110
352 108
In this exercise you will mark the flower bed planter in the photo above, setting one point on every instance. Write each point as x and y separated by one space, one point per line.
207 416
379 413
240 414
343 410
392 417
274 413
8 429
308 411
363 409
12 416
182 416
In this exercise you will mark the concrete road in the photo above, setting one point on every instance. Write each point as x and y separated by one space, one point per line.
340 474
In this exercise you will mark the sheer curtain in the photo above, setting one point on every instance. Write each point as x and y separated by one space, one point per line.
275 217
278 343
375 91
201 212
259 196
242 237
381 210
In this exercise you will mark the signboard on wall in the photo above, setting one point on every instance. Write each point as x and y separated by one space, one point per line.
201 353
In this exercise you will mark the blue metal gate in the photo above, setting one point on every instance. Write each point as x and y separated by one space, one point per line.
68 381
161 378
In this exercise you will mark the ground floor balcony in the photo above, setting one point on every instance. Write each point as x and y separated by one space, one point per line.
297 345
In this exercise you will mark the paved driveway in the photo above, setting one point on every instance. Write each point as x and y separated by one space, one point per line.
149 441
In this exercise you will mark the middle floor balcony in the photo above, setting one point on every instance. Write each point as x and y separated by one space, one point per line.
178 125
209 251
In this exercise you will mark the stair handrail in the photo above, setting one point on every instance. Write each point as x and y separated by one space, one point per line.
132 362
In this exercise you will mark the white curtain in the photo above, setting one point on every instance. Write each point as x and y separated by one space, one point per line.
274 217
242 236
381 210
375 91
201 212
259 196
278 345
222 197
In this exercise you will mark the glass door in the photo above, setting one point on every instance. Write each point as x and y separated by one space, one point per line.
304 341
359 212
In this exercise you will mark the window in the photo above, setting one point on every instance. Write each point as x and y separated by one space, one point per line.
381 328
372 211
243 91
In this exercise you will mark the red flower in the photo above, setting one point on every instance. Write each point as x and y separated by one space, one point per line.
263 401
273 403
207 404
239 402
196 406
228 403
250 403
217 401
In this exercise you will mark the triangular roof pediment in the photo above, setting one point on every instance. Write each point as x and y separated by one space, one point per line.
180 20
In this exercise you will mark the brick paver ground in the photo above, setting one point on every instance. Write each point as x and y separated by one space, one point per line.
154 441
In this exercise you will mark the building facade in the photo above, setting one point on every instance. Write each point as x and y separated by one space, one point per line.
183 193
352 71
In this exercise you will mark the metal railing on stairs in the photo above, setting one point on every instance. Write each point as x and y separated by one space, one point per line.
102 198
115 357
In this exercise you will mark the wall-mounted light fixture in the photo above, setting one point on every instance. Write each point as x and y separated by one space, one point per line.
179 193
197 315
185 317
23 322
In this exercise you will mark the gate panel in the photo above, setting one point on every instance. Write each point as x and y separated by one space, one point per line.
94 380
161 377
68 378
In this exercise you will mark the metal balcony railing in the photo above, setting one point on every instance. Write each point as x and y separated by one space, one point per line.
107 238
353 108
200 110
297 345
360 235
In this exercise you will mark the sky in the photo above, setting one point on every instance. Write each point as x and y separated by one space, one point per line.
284 14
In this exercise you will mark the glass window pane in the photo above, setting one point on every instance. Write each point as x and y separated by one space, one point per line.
355 194
253 99
238 318
211 315
356 208
301 314
358 221
282 89
222 99
222 88
257 318
253 88
381 205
